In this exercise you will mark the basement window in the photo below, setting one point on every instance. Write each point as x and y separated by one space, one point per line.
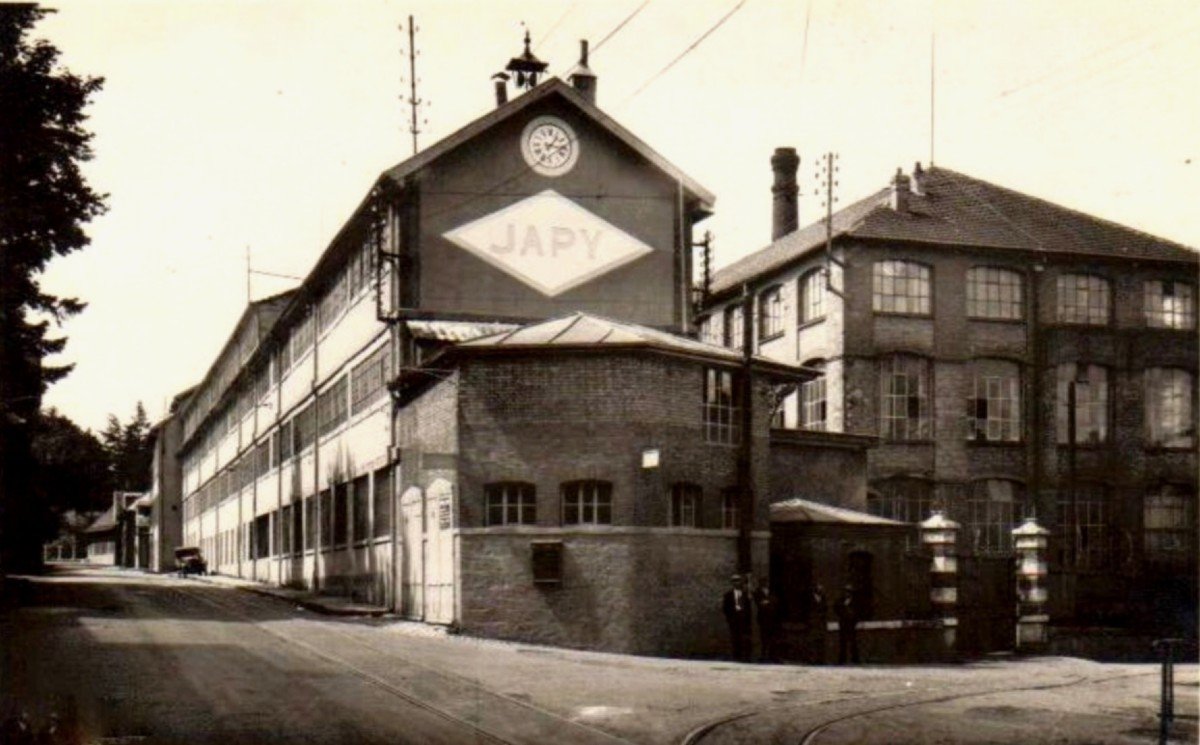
546 560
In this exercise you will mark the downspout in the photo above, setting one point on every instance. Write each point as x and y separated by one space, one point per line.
316 530
1034 405
685 277
745 461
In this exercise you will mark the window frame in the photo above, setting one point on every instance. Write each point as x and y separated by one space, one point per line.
581 496
814 398
1081 314
1161 317
720 406
810 291
993 305
731 513
1179 533
901 498
1086 409
988 521
1011 428
509 498
915 429
686 501
734 329
770 314
905 275
1183 433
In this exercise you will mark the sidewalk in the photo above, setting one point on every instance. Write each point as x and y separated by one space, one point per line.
328 605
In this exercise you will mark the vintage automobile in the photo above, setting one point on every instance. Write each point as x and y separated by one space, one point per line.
189 560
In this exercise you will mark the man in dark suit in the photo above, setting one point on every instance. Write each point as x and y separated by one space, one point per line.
847 615
736 606
766 606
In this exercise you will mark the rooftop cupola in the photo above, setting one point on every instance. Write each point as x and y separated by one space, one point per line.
581 76
526 68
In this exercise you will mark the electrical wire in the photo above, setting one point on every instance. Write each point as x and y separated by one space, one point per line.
685 52
620 26
554 26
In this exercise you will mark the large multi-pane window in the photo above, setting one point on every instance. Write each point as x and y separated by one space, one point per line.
906 500
994 408
1170 304
1169 418
331 406
1168 524
710 330
341 514
721 406
1083 298
730 513
510 503
905 398
813 408
1091 403
734 329
685 505
285 530
812 296
1085 531
325 509
587 503
994 293
361 489
991 508
304 428
900 287
382 503
770 313
367 380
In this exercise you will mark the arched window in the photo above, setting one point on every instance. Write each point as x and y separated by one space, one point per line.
733 326
994 408
1168 519
1083 298
1170 304
685 505
510 503
991 513
1169 418
900 287
770 313
904 398
587 503
1086 533
729 508
813 409
1091 403
905 499
994 293
812 296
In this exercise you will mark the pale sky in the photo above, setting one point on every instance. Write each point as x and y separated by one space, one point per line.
227 125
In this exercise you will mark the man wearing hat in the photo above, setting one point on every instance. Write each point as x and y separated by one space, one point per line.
736 606
847 615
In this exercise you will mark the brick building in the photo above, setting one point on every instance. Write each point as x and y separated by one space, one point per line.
962 323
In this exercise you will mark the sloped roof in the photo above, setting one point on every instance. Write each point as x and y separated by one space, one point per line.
552 86
798 510
584 331
455 331
106 521
955 209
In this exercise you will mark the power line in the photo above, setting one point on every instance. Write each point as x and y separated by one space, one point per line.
685 52
620 26
554 26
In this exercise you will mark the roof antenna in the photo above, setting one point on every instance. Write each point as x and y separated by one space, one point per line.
414 103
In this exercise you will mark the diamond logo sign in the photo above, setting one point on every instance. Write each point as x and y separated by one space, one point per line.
549 242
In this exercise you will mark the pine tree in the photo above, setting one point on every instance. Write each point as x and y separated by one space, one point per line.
44 203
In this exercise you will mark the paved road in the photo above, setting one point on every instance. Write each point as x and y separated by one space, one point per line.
136 658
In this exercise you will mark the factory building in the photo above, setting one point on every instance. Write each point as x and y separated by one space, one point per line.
1014 358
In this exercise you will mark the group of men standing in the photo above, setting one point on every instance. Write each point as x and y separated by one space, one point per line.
737 606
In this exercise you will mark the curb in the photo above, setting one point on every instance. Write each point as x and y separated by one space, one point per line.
308 603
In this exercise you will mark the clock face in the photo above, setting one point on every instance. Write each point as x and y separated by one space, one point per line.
549 146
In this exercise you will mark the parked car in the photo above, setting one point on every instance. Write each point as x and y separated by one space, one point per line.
189 560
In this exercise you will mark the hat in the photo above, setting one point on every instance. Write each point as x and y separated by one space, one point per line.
737 578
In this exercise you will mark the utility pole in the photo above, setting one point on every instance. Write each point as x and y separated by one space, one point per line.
745 460
702 291
414 103
827 181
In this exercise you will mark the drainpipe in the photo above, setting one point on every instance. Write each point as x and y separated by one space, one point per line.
745 461
316 531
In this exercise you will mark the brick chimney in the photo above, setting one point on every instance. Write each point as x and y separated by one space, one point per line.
918 179
581 76
501 79
785 214
901 191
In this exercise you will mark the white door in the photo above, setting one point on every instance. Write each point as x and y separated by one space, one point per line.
439 552
411 553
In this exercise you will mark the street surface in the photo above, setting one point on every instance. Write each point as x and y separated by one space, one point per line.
125 657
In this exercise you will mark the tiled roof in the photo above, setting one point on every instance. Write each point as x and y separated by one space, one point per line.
804 511
455 331
585 330
958 210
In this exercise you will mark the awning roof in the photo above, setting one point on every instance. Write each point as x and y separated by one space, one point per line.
456 331
798 510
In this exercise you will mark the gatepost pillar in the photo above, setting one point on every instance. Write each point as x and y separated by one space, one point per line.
1029 542
940 535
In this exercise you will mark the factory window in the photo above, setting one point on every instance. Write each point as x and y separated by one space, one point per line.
310 523
302 337
813 408
298 517
381 516
812 296
1091 403
362 508
1170 305
367 380
304 428
331 406
587 503
275 453
991 516
260 544
510 503
262 458
325 519
1169 524
333 302
1084 532
1083 298
994 293
341 514
770 313
722 407
903 499
1169 418
685 505
905 398
734 328
710 330
900 287
994 408
285 530
287 442
729 508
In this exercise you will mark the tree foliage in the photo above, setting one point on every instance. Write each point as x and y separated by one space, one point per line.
74 470
130 451
44 204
